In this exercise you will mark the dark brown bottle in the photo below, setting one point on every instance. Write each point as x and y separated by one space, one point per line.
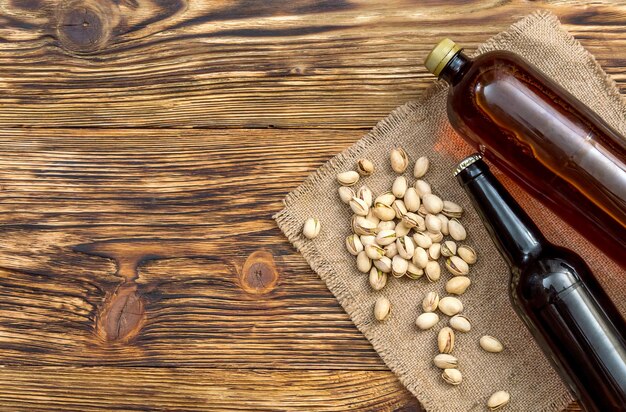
548 141
554 292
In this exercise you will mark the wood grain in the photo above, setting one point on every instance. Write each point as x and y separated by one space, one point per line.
255 63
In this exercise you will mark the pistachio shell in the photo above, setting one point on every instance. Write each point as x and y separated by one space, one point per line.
384 212
435 237
386 237
371 217
399 186
498 400
365 167
460 323
452 376
374 252
413 220
405 247
422 240
422 211
386 198
491 344
353 244
457 266
451 209
446 361
422 187
433 224
434 251
421 167
391 250
359 206
367 240
467 253
399 160
432 271
382 307
362 226
365 194
444 224
311 228
384 264
346 194
427 320
448 248
432 203
420 257
348 178
430 302
456 229
402 229
450 306
377 279
399 208
399 266
411 199
363 263
413 271
445 340
386 225
458 285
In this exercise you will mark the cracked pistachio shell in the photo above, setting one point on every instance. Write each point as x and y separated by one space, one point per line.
432 203
362 226
422 211
386 198
413 271
377 279
359 206
452 376
435 237
399 160
498 400
374 252
346 194
420 257
422 187
456 229
445 340
386 225
444 224
491 344
427 320
450 306
460 323
399 186
411 199
433 224
367 240
391 250
399 208
405 247
451 209
363 263
386 237
311 228
399 266
434 251
467 253
365 194
353 244
364 167
430 302
448 248
382 307
446 361
348 178
458 285
384 264
421 167
413 220
457 266
384 212
402 229
432 271
422 240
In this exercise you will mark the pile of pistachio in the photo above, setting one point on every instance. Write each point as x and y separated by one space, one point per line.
405 232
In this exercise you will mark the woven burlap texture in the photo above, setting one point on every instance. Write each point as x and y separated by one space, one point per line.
422 129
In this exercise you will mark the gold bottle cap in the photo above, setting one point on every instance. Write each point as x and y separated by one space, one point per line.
440 55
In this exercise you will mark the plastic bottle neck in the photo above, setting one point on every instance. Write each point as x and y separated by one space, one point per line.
456 68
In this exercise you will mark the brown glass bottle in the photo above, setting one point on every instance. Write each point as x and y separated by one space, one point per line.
554 292
543 137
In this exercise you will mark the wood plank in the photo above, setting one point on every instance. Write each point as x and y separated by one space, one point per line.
163 389
260 63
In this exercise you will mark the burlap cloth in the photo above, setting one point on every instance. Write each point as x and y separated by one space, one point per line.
421 127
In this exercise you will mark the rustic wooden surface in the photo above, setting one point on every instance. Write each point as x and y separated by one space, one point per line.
145 145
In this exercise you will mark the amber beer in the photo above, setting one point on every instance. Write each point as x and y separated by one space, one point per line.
543 137
555 294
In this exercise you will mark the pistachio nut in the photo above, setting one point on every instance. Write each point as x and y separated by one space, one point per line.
399 187
353 244
363 263
391 250
420 257
450 306
421 167
405 246
362 226
386 225
422 187
491 344
460 323
448 248
399 160
384 212
457 266
445 340
348 178
432 271
452 376
346 194
402 229
430 302
359 207
451 209
458 285
386 237
365 167
382 307
399 208
444 224
399 266
435 237
427 320
467 253
377 279
411 199
365 194
413 271
498 400
311 228
433 224
456 229
446 361
367 240
384 264
413 220
422 211
434 251
386 198
432 203
422 240
374 252
371 217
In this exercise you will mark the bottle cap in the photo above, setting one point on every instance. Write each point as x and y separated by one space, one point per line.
465 163
440 55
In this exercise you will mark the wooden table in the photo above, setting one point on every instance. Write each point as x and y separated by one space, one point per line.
145 146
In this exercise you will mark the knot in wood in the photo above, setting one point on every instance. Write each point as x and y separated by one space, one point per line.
84 26
259 275
122 315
